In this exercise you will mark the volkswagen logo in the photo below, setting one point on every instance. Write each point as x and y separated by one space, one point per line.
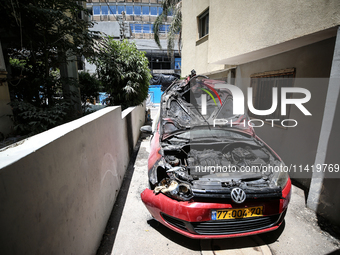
238 195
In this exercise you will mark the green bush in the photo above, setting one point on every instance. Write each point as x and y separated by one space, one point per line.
123 72
30 119
37 101
89 88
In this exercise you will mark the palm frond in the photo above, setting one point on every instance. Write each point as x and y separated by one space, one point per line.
157 27
174 6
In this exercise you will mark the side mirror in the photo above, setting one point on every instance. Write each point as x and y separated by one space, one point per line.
146 129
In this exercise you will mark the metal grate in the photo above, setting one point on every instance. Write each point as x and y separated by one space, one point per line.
174 222
224 227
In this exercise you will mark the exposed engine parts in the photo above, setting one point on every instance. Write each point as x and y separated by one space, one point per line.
182 191
193 170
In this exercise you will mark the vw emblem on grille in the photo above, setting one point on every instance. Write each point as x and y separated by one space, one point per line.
238 195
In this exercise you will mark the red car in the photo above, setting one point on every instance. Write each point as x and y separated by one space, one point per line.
208 178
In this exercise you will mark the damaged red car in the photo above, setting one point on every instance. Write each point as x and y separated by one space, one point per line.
210 175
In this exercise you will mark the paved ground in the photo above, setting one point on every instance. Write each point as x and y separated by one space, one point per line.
139 234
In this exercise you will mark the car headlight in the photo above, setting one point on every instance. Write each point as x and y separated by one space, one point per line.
280 177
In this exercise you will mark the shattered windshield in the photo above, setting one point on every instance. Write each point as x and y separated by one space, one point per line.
200 103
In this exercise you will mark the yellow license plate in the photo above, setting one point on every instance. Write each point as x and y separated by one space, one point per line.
238 213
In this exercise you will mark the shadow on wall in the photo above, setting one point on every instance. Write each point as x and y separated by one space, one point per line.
58 187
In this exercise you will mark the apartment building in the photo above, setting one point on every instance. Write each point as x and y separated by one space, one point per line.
133 20
245 41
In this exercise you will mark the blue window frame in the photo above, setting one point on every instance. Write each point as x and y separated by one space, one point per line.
137 10
129 9
138 28
105 10
113 9
163 28
153 10
170 12
121 9
146 29
96 10
145 10
160 10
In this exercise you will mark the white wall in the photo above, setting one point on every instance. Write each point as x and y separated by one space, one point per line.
57 188
241 31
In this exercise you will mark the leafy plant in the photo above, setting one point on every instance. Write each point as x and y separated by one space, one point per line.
39 38
29 119
123 72
89 88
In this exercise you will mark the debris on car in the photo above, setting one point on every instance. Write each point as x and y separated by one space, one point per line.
212 179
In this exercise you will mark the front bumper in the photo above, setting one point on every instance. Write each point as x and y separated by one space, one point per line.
193 219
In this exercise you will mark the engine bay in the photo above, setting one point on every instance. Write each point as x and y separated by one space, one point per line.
195 169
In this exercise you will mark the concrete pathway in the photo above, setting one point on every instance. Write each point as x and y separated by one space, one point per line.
138 232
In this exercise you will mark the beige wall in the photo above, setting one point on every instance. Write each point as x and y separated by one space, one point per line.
313 64
57 188
194 57
241 27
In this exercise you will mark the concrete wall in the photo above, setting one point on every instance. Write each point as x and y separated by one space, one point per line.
312 65
57 188
241 27
110 28
328 202
325 185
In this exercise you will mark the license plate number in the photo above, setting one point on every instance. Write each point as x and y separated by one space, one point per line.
238 213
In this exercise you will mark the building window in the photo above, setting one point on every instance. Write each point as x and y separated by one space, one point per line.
203 24
145 10
96 10
129 10
113 10
153 10
170 12
263 84
160 10
137 10
105 10
163 29
136 28
141 28
121 9
146 29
